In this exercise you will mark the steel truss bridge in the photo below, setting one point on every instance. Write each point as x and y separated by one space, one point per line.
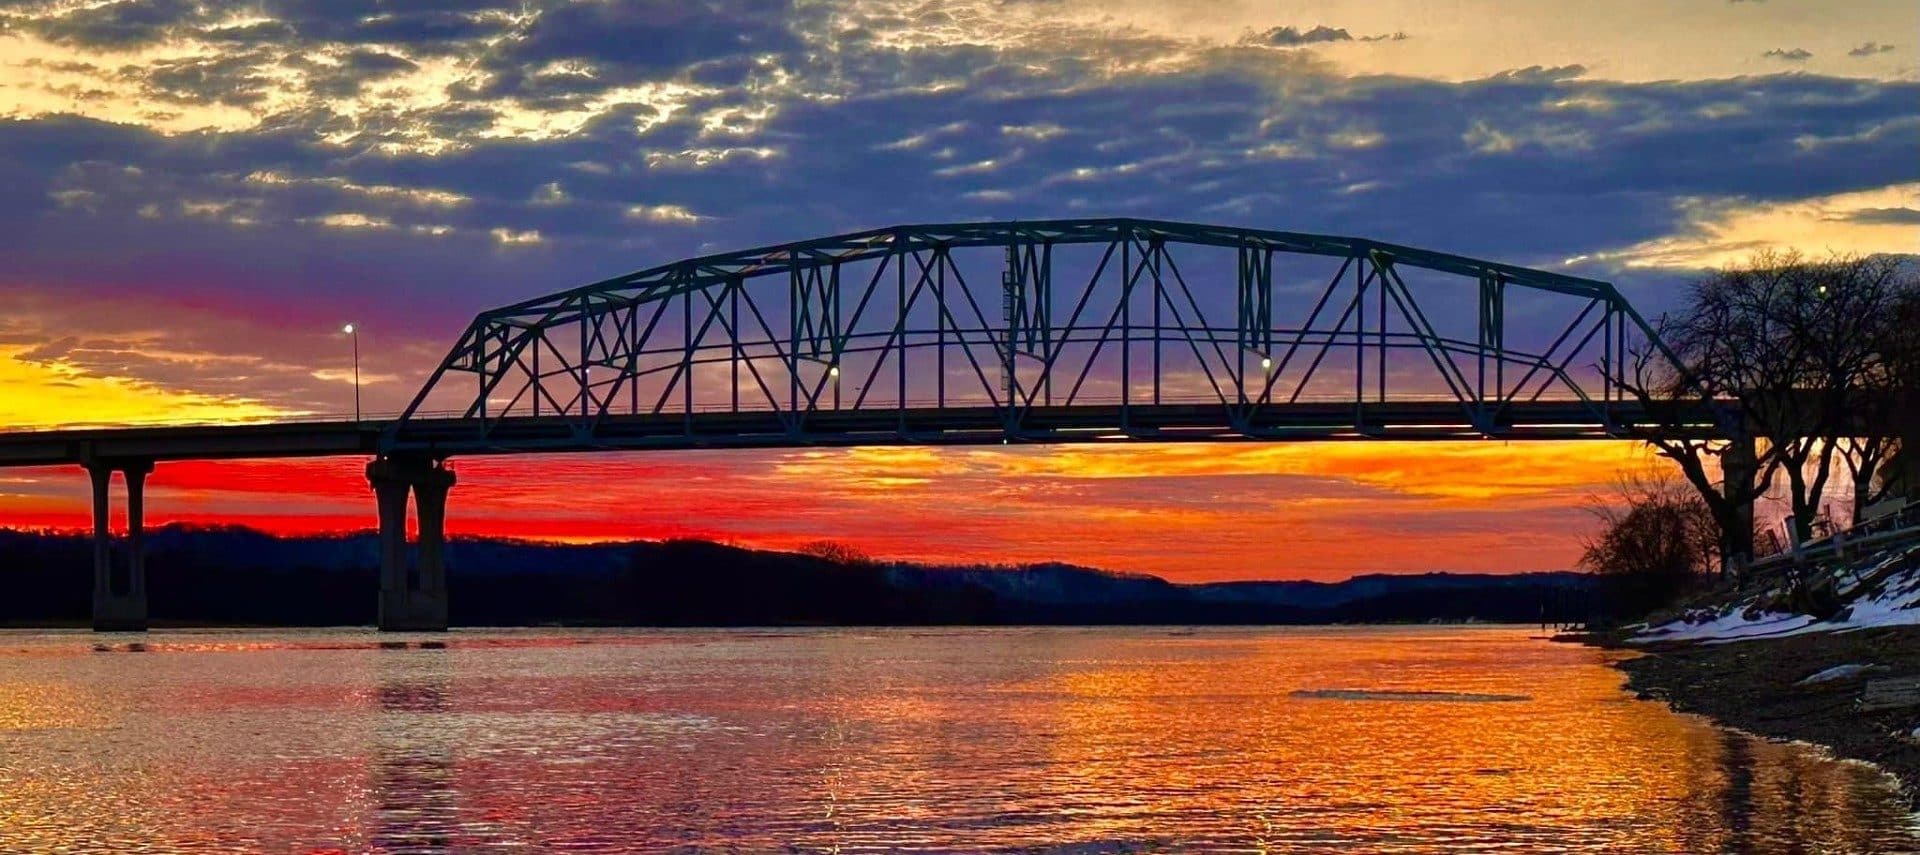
1046 331
974 333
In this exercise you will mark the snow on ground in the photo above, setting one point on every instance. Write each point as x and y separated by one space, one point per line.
1882 589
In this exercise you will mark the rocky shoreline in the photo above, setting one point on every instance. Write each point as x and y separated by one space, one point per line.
1755 685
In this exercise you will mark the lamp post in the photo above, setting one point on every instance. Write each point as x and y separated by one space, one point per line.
1266 371
355 335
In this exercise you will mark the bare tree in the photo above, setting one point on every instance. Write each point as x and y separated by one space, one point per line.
1797 345
1885 464
1668 394
1842 312
1657 538
836 552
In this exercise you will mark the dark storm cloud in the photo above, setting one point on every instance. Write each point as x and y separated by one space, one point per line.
1884 216
428 28
1570 178
122 24
1538 74
349 73
231 78
1869 49
428 25
1396 159
258 32
1292 37
52 350
1789 54
626 42
1295 37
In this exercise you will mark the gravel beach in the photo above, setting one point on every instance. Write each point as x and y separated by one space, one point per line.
1755 685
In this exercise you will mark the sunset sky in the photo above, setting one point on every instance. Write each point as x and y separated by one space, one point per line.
199 195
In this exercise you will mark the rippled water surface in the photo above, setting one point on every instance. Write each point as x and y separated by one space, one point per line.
1050 740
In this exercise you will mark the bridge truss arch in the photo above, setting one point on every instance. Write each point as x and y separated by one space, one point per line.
1041 331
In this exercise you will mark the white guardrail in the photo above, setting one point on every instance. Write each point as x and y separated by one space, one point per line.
1899 525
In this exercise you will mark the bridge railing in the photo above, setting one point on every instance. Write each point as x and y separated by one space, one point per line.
380 419
1900 527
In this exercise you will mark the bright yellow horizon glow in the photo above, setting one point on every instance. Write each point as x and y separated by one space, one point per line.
54 394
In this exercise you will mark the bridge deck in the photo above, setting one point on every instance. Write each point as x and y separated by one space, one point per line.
1425 420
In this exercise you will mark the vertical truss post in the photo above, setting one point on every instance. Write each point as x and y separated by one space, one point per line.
480 341
1043 304
1254 319
1242 323
1028 316
1492 344
830 302
1049 346
537 340
1360 342
586 393
1155 249
1013 310
1126 325
1380 335
1494 335
1500 338
900 327
1620 350
739 352
1606 357
636 340
794 310
686 359
940 325
839 337
1611 360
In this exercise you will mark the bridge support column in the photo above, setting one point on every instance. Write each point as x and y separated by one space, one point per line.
1739 470
119 590
412 598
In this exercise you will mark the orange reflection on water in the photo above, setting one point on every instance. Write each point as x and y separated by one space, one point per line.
878 740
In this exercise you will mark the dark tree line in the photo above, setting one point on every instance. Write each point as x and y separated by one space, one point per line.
235 576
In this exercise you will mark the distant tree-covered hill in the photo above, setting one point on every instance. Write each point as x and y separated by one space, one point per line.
242 576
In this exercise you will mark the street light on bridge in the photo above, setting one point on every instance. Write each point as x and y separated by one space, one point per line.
354 334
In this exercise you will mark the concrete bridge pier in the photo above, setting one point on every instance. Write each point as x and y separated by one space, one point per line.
1739 473
119 588
413 597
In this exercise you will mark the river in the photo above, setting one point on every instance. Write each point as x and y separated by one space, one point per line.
848 740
